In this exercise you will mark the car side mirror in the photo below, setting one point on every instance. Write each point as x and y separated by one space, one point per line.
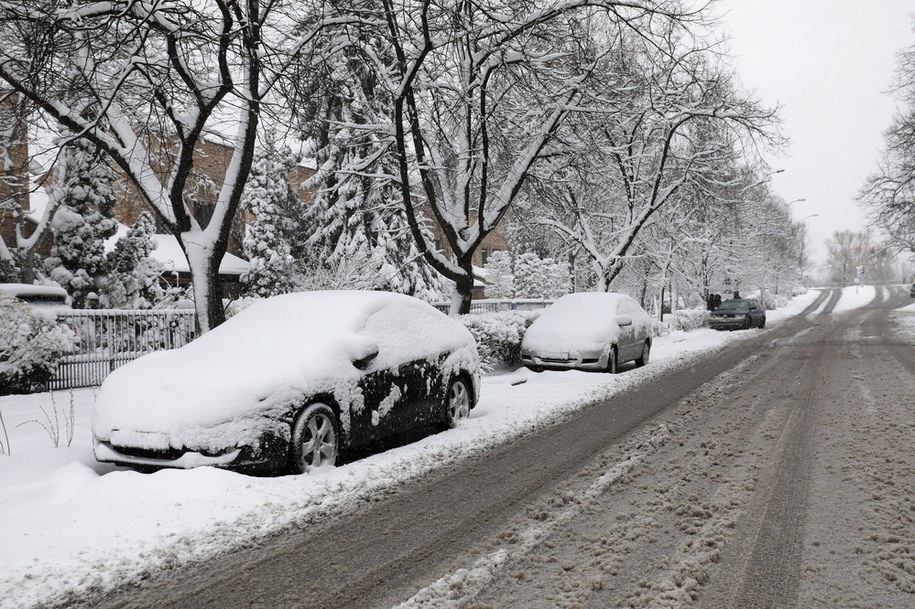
363 362
623 320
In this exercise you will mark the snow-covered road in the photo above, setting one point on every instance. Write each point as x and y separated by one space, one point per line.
72 526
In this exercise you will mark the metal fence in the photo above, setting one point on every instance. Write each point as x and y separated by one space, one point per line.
494 305
107 339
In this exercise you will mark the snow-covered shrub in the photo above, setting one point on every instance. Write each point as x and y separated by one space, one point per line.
498 336
684 319
500 281
30 346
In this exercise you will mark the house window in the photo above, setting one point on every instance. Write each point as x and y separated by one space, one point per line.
485 255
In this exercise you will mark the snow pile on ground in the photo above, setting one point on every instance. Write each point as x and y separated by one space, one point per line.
854 297
79 526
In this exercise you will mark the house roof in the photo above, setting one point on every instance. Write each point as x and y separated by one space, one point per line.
168 252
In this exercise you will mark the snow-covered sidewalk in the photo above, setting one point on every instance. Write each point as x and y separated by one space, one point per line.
71 524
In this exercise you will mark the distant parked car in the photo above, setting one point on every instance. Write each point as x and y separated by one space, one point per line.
588 331
287 383
738 314
912 291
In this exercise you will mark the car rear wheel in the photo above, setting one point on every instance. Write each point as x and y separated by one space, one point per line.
762 324
457 402
612 361
646 353
315 441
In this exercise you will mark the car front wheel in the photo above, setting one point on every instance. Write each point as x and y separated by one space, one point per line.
315 441
748 323
457 402
612 361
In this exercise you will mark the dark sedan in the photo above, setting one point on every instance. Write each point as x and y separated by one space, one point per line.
288 382
738 314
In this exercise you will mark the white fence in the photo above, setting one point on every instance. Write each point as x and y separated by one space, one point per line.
107 339
494 305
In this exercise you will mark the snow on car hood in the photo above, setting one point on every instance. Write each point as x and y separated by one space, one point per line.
240 378
584 321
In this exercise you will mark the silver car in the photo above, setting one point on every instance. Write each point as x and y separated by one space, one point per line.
588 331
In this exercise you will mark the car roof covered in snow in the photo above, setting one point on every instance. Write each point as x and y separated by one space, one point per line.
24 290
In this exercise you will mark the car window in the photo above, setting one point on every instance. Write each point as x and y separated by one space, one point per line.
733 305
627 307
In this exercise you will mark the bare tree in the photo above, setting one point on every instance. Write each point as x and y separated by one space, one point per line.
666 122
146 82
478 90
889 193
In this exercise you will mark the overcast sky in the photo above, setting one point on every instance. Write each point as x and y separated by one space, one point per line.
829 64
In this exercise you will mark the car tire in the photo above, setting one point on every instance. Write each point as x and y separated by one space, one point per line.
748 323
457 403
612 362
315 439
762 324
646 353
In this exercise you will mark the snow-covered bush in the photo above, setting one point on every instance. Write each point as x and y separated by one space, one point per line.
30 346
684 319
498 336
500 281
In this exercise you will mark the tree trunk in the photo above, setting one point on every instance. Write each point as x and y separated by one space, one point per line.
463 294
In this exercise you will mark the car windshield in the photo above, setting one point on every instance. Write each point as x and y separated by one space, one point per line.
734 305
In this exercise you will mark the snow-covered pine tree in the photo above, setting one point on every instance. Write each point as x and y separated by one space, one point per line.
500 281
276 208
133 276
557 278
530 277
359 217
82 182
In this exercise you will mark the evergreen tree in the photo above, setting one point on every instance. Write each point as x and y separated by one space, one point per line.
356 217
558 278
276 207
133 276
500 281
82 182
530 278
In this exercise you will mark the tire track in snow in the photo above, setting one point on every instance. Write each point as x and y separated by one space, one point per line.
453 590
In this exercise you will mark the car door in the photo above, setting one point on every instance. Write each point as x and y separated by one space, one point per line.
402 397
627 338
758 312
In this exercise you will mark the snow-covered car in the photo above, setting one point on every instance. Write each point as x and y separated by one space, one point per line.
588 331
46 301
288 382
737 314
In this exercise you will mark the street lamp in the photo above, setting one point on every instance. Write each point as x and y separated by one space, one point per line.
801 200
